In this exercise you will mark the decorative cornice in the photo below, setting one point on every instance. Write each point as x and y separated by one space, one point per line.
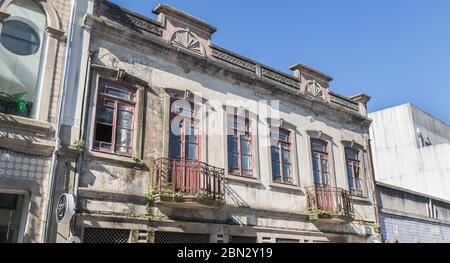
346 102
309 70
271 74
187 40
232 59
129 19
314 89
104 28
168 10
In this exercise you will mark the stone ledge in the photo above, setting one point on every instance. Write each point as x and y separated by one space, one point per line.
281 186
242 179
111 157
8 120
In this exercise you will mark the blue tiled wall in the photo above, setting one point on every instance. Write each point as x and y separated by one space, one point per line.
408 229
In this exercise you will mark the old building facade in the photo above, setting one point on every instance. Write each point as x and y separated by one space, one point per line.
184 141
411 150
33 41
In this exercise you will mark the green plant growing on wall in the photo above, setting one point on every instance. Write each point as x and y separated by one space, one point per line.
179 196
376 227
208 200
150 194
13 101
78 145
136 159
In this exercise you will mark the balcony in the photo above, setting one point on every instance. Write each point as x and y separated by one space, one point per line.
188 183
329 203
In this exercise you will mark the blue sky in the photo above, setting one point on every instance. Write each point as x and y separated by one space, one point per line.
396 51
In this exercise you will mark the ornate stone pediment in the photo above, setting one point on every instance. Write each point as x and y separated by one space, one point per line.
187 40
314 89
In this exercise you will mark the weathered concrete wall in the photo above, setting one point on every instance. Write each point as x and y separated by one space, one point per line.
112 187
400 160
260 193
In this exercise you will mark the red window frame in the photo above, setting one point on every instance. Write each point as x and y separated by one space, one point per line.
282 145
321 155
355 165
103 99
237 134
194 119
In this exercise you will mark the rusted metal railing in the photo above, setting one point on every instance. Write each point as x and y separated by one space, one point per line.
191 178
331 199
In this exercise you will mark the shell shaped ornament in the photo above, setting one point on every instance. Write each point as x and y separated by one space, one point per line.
187 40
65 209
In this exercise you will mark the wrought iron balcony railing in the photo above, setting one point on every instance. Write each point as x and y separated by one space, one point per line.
330 199
188 178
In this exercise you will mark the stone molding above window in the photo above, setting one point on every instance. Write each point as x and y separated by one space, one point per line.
319 135
352 144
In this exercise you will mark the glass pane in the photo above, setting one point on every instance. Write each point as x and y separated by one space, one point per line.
126 119
232 144
284 136
241 124
191 151
117 92
286 157
245 145
351 154
350 177
105 115
275 153
122 149
286 171
191 133
358 184
276 171
324 165
233 162
319 146
123 138
19 38
246 162
324 178
317 179
175 146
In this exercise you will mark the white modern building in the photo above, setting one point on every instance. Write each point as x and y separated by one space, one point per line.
411 154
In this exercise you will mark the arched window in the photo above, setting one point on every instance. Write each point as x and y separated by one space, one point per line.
22 41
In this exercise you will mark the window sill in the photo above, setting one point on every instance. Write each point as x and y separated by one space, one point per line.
112 157
242 179
360 198
285 186
10 120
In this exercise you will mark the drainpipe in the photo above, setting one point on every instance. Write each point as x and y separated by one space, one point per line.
82 134
50 186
